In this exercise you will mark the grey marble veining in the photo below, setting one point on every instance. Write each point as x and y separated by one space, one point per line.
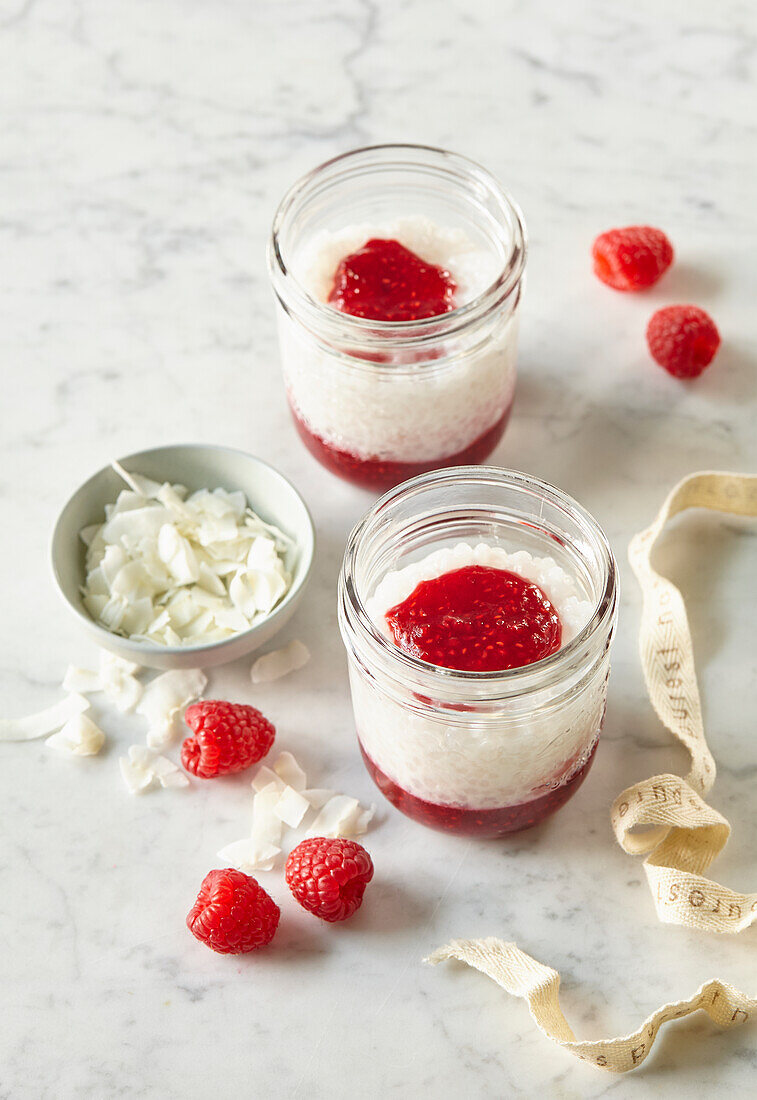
144 147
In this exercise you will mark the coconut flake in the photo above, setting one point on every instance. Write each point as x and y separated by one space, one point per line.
144 486
250 855
177 554
118 681
361 821
135 525
81 680
173 779
87 534
163 700
210 581
318 797
136 779
167 773
287 769
142 767
291 807
332 817
44 721
341 816
280 662
264 777
78 737
253 590
172 497
266 824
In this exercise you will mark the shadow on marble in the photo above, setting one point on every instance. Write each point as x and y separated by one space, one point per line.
688 282
390 908
298 936
730 379
695 1041
558 432
695 554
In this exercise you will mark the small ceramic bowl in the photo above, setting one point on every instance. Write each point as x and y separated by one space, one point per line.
198 466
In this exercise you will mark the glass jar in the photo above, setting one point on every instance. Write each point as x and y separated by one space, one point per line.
376 401
479 753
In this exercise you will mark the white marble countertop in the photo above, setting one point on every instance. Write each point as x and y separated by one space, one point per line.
145 145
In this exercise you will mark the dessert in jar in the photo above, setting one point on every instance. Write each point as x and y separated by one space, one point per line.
397 272
477 606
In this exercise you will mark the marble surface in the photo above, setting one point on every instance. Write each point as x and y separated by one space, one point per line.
144 147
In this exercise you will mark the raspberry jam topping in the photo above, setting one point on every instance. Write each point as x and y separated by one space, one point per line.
384 281
476 619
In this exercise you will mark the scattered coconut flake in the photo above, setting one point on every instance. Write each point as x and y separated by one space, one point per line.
158 543
117 676
291 807
288 770
136 779
141 756
283 800
173 779
334 814
162 766
361 821
44 721
250 855
280 662
168 774
266 825
81 680
142 767
318 797
264 777
112 662
341 816
163 700
78 737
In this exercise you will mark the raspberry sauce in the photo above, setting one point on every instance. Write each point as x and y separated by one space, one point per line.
480 823
378 473
476 619
384 281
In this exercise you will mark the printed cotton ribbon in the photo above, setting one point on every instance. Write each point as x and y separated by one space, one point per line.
682 834
687 834
539 985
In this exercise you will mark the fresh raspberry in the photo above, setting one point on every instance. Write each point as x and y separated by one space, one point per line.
329 877
233 913
632 258
683 340
228 737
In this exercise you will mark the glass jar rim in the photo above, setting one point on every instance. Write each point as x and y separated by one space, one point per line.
507 683
293 296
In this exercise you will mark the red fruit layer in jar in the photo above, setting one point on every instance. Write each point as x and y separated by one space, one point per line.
480 823
378 473
384 281
476 619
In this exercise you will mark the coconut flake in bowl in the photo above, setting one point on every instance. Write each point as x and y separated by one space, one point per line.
178 568
187 555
